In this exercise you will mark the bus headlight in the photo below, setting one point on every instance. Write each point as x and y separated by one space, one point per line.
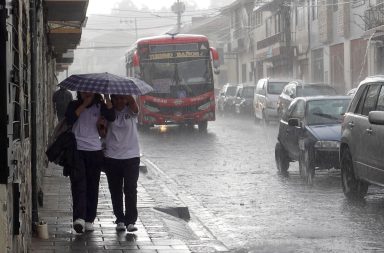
204 106
151 108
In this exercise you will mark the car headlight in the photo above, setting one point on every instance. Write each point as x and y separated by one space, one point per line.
327 144
151 108
204 106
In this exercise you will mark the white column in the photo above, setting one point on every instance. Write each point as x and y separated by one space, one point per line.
347 65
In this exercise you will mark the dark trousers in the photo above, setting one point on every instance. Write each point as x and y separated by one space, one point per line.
123 174
85 186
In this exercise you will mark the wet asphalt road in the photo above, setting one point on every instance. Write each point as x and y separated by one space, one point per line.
231 171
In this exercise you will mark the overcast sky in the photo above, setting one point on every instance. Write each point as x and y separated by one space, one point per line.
105 6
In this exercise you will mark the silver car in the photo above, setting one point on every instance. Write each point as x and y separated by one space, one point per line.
362 145
265 99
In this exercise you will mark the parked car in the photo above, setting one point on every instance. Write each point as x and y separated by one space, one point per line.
310 132
265 99
226 99
296 89
244 100
362 145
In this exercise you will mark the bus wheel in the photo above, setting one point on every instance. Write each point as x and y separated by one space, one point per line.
203 126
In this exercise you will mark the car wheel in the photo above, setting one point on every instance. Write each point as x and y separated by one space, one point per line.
265 119
353 188
256 119
307 166
281 157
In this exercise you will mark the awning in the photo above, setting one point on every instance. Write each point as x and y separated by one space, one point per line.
66 10
62 39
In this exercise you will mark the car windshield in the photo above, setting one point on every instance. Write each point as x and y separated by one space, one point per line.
276 87
231 91
314 90
248 92
327 111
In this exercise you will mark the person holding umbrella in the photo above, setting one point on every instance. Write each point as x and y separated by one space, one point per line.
83 114
122 161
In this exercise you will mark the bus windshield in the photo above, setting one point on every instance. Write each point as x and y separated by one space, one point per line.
164 75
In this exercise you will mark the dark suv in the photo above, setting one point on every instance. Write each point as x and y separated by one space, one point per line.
296 89
309 132
362 141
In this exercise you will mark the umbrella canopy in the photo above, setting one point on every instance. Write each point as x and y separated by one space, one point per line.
106 83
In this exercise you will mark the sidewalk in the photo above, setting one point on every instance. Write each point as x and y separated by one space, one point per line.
157 231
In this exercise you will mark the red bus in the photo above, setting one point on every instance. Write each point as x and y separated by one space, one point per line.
179 68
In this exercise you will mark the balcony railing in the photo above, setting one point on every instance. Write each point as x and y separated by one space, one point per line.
279 37
374 16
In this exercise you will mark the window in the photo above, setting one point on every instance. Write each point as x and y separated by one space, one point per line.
268 27
314 9
257 18
360 104
244 73
371 99
299 110
335 5
380 100
318 65
25 68
251 70
277 24
16 86
300 17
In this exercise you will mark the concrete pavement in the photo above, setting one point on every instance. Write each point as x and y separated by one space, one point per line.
163 224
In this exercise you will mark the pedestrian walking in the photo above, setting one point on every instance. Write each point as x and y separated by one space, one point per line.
122 161
84 114
61 98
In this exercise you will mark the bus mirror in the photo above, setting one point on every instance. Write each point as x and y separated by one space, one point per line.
136 60
215 60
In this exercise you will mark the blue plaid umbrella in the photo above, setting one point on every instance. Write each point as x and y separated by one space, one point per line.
106 83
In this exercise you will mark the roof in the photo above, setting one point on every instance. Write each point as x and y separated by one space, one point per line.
169 39
371 79
313 98
235 4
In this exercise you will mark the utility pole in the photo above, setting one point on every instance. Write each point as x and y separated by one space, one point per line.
126 21
178 8
137 37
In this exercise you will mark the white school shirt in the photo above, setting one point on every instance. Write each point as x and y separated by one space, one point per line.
85 130
122 140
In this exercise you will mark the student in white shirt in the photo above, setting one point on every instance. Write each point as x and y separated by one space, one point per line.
83 114
122 161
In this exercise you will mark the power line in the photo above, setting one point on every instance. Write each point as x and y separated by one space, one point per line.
156 16
120 30
151 12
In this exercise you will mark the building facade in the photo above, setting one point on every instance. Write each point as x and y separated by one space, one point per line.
35 38
338 42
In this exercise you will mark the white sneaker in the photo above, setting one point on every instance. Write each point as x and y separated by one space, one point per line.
120 226
78 225
89 226
131 228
